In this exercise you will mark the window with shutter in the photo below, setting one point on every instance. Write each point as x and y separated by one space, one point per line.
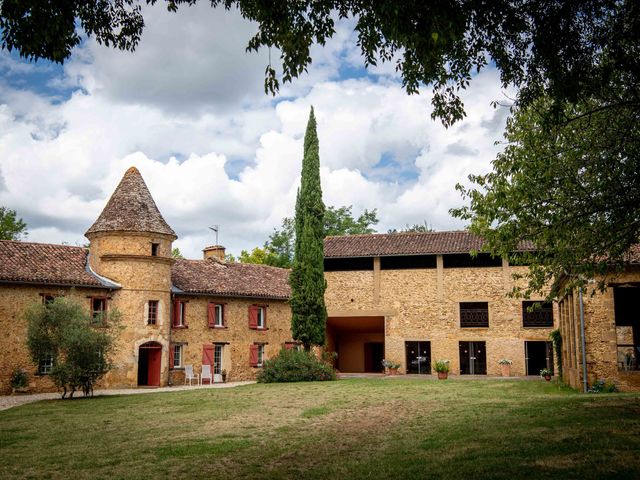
179 314
207 354
253 316
253 355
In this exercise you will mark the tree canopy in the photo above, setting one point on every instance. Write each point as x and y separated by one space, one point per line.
278 249
11 227
550 47
79 345
572 190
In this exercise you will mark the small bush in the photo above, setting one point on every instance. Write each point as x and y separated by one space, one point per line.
295 366
602 386
19 378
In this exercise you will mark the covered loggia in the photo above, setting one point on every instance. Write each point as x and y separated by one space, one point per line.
358 341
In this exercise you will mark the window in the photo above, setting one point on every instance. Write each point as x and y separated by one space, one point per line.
216 315
154 249
260 355
46 364
217 359
256 354
152 312
47 298
258 317
537 314
474 314
293 346
627 319
98 309
177 356
179 314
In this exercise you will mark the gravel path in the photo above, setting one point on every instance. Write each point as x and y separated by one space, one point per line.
9 401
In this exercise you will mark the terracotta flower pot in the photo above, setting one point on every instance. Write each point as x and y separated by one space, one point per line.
442 375
547 378
393 371
506 370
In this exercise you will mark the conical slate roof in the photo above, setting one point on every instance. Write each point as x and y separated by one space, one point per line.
131 208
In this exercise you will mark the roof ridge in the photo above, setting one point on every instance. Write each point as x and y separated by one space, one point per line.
379 234
20 242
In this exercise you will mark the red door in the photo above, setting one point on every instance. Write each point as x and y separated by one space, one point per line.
149 359
155 355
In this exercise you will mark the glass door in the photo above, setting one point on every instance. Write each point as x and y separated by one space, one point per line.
418 357
473 358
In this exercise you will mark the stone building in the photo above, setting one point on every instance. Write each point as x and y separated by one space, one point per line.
611 322
414 298
173 312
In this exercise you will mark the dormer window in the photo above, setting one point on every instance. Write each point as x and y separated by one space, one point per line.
154 249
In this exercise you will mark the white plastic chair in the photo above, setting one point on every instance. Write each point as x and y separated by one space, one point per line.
189 375
206 373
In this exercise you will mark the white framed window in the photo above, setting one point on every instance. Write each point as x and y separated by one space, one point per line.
179 316
217 359
46 364
219 316
260 317
261 358
177 356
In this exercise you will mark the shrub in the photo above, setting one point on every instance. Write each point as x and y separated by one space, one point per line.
295 366
442 366
602 386
19 378
504 361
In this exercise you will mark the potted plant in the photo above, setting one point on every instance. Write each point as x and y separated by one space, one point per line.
19 381
505 366
442 368
392 367
224 375
546 374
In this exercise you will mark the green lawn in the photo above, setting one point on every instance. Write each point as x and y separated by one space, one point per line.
357 428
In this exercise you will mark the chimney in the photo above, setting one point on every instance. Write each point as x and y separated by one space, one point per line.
214 251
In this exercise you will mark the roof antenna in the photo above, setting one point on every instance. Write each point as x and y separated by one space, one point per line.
215 228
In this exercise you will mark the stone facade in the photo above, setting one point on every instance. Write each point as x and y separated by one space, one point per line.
129 264
605 360
235 337
14 301
423 304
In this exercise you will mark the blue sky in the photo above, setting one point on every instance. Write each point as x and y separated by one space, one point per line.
189 110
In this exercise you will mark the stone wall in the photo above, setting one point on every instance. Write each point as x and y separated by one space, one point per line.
125 257
236 337
14 300
600 337
423 304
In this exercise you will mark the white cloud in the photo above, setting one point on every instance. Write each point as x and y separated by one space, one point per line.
189 111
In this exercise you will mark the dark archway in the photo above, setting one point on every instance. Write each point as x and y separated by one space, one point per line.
149 360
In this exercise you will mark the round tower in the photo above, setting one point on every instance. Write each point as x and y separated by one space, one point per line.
130 243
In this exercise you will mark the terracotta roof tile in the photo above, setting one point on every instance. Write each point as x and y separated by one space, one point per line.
131 208
232 279
410 243
42 263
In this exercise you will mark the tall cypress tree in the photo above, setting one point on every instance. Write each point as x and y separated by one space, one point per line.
309 313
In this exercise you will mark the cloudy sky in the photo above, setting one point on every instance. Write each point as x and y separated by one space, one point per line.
188 109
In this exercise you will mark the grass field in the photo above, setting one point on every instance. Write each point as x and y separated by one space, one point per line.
356 428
